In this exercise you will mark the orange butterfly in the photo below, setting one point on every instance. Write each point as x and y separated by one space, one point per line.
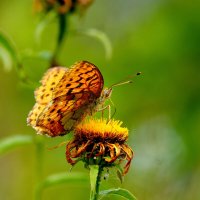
65 97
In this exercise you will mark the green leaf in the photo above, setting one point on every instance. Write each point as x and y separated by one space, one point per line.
13 56
119 192
13 142
6 59
48 18
8 51
103 38
61 178
119 173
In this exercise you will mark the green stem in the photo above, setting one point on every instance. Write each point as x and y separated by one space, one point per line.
39 156
62 23
95 179
39 143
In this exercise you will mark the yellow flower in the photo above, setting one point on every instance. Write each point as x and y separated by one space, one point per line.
97 141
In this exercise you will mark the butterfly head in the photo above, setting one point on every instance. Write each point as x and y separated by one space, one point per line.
106 93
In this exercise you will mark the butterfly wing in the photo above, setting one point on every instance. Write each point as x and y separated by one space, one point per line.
52 77
73 96
81 77
43 94
62 114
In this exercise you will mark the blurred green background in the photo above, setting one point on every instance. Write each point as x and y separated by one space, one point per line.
161 109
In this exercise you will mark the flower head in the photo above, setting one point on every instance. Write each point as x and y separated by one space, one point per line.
61 6
97 141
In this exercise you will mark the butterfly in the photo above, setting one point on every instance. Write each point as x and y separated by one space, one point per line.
66 96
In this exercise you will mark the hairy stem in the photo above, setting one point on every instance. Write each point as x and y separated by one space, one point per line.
95 179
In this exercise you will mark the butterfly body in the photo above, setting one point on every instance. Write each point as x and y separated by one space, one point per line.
66 97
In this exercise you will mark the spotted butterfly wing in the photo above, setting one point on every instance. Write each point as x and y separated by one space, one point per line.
43 94
52 77
81 77
71 100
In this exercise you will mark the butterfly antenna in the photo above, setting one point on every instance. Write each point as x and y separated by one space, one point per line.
125 82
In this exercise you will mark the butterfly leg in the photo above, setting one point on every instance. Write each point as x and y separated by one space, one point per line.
57 146
102 112
108 107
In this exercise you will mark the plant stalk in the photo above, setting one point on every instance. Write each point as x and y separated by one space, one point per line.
39 144
95 179
62 26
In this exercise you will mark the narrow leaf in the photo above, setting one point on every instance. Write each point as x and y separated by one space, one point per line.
61 178
103 38
7 44
6 59
13 142
119 192
48 18
9 54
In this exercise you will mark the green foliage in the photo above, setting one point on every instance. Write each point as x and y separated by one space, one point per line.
43 24
94 181
119 192
6 59
102 38
11 57
13 142
8 52
60 178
